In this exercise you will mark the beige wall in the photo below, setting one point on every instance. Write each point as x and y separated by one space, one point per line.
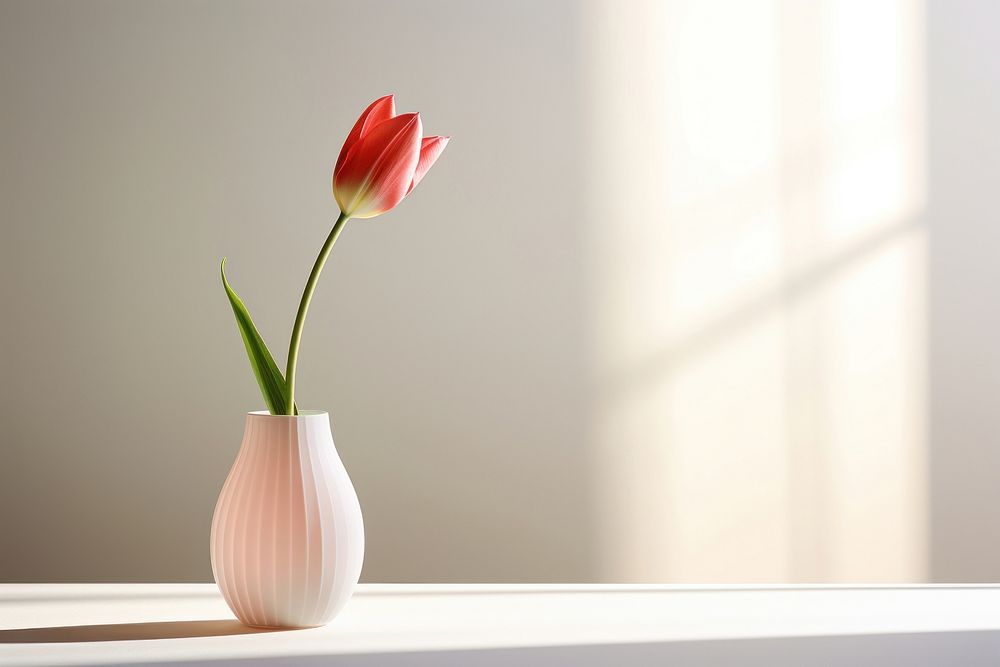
964 279
698 292
144 141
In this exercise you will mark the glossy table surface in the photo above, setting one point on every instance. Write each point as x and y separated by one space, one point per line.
409 624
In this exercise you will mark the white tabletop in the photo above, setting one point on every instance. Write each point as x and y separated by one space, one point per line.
160 624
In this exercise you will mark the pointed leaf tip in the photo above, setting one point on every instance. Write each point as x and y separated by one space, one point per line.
269 377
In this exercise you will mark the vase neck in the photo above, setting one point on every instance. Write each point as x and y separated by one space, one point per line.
308 430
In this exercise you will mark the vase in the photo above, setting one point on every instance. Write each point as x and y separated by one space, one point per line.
287 536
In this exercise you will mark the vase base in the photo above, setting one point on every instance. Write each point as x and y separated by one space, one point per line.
257 626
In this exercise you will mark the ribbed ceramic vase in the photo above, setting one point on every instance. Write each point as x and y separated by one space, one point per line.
287 535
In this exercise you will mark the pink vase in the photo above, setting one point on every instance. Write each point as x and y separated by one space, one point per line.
287 535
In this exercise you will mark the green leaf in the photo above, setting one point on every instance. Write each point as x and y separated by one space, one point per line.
269 377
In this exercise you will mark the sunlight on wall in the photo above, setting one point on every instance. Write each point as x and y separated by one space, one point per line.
759 290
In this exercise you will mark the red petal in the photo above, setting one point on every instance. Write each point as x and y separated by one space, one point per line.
430 149
380 110
379 169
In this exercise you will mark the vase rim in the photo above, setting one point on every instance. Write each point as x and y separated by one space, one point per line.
302 413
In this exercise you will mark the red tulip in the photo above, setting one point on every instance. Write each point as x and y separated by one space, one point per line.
383 159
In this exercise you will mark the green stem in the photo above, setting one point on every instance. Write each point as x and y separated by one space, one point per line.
300 316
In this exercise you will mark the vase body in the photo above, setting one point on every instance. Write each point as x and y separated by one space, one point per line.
287 536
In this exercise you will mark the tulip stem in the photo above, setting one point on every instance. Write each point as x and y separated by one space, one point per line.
300 316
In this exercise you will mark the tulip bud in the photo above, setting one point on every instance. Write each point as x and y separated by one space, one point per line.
383 159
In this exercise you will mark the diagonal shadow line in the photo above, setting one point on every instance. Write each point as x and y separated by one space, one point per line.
790 290
118 632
